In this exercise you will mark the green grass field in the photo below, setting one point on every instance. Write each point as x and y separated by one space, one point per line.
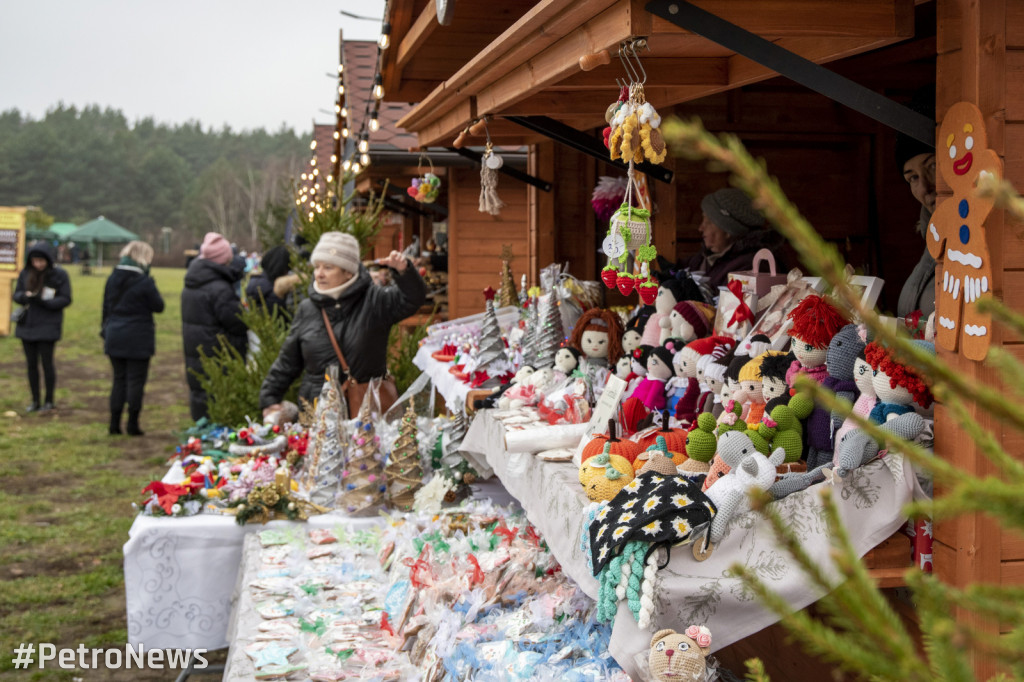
66 487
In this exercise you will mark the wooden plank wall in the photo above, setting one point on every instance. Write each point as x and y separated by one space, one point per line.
475 239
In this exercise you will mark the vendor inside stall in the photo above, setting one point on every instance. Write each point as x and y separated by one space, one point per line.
733 231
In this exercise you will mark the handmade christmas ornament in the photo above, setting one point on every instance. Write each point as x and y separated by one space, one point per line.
326 449
680 656
840 359
626 449
506 290
531 332
815 321
427 187
956 232
404 472
896 385
363 484
550 336
490 356
598 334
490 162
603 475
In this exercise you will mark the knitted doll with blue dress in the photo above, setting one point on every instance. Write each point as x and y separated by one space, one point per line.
896 385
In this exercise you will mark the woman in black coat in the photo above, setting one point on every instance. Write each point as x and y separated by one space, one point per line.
209 308
129 334
45 290
361 314
273 266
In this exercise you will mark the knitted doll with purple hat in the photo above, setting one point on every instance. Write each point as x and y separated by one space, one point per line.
688 320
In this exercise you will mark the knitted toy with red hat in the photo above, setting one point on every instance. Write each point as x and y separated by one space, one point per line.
685 364
815 322
688 320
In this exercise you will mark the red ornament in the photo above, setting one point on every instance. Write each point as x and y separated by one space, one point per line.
276 429
625 283
608 276
648 294
489 294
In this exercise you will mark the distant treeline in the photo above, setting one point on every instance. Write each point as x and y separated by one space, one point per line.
77 164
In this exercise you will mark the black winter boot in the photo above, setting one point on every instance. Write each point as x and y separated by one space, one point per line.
115 424
132 429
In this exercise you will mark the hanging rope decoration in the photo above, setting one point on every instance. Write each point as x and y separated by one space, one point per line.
426 188
490 162
632 135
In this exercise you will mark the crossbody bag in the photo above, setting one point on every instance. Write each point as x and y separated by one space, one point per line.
355 391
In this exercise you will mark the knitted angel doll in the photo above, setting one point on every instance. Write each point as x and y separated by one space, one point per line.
815 322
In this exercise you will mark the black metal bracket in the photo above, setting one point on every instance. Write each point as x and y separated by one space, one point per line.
803 71
505 169
397 203
583 143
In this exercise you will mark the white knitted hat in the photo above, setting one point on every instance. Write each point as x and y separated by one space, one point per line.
337 248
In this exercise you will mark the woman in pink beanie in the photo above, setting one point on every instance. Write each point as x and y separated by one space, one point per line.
209 308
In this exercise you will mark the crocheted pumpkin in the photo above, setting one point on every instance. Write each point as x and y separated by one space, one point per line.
675 439
680 656
626 449
604 475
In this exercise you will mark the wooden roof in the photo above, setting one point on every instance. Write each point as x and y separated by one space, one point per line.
491 62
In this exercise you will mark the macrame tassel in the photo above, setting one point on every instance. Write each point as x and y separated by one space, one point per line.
490 202
643 619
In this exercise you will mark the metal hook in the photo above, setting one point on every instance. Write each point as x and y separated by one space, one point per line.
631 50
630 73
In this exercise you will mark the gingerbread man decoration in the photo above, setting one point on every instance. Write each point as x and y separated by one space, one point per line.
956 233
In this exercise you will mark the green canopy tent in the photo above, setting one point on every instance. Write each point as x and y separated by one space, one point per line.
62 230
99 232
34 234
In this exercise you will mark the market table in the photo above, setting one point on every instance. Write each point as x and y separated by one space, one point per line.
870 504
180 573
453 390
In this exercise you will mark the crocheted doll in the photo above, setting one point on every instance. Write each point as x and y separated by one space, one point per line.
896 385
679 656
857 448
651 390
841 356
634 329
529 391
774 387
623 369
687 385
751 389
598 335
672 290
714 377
688 320
862 376
604 475
815 322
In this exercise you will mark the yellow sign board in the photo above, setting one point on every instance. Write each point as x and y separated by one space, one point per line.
12 238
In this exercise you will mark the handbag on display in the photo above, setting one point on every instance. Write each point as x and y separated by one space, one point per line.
754 280
383 388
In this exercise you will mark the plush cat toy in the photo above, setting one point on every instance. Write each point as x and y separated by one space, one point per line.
840 359
815 322
680 656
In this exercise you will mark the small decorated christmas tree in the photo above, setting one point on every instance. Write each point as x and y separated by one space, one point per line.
326 448
404 473
530 338
549 333
363 484
507 289
492 347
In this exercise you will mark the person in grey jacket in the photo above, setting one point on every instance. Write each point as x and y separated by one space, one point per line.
44 288
360 313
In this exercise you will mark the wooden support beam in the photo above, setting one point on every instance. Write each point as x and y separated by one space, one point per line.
421 30
823 18
591 103
401 19
661 71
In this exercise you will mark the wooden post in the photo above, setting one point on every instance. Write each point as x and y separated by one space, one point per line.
12 258
971 66
541 216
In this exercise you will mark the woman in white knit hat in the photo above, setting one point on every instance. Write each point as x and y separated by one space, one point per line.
360 314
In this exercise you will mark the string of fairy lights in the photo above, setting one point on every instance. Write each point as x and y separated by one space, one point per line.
310 198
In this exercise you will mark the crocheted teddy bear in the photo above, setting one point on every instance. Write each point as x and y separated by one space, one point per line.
680 656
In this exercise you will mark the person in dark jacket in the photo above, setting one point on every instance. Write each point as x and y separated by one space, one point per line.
733 231
129 334
273 265
361 315
209 309
44 288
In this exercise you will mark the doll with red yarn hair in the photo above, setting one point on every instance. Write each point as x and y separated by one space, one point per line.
815 322
896 385
598 335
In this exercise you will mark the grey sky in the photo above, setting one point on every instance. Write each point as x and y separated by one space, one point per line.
247 64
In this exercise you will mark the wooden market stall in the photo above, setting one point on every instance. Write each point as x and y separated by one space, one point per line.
520 67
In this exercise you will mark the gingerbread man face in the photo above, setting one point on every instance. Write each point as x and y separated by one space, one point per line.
956 234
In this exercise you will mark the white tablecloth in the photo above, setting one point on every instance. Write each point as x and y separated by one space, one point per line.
704 593
180 573
453 390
